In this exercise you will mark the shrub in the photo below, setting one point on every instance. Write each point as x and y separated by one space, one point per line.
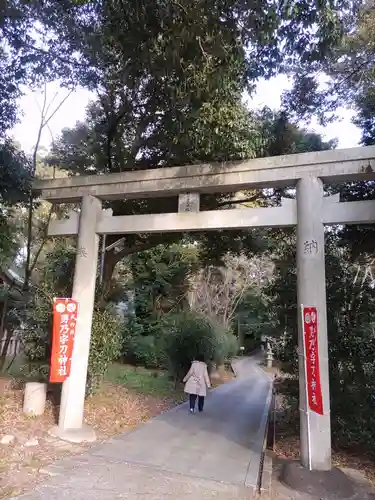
145 346
227 345
105 347
190 335
36 317
35 310
144 351
175 341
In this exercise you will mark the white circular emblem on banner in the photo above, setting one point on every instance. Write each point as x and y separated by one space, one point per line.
71 307
60 308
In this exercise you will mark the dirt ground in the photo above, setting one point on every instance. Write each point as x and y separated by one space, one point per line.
284 445
362 487
115 409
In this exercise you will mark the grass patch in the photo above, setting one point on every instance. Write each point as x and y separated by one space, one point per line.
142 381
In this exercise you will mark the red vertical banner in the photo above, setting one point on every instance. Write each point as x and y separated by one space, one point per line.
310 332
64 328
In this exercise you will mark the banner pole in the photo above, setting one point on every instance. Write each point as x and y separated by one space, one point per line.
306 388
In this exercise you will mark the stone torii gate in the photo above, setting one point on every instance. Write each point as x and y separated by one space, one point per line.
309 212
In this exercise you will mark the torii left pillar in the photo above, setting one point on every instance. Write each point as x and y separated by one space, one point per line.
70 426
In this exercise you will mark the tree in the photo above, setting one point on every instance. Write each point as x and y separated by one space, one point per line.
161 280
179 100
362 79
274 133
183 45
83 150
30 54
193 335
15 175
180 32
351 79
253 319
349 70
217 292
350 306
280 135
266 133
159 284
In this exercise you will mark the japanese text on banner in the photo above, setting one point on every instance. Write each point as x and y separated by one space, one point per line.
310 331
64 327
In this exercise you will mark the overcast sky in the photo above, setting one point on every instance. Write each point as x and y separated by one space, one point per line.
73 110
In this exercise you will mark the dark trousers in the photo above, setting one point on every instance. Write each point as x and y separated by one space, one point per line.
193 399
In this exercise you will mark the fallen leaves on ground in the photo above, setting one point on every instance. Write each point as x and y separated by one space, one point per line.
287 445
113 410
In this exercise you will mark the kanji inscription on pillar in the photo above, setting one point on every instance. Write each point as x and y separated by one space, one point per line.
64 328
310 331
310 247
188 202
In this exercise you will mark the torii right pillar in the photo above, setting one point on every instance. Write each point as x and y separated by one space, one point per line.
311 291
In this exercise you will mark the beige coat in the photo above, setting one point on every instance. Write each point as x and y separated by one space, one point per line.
197 379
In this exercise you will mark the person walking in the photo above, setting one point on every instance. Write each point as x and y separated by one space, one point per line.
196 383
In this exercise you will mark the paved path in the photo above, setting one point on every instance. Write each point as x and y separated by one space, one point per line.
214 455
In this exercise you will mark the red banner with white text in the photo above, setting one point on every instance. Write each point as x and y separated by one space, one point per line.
310 331
64 328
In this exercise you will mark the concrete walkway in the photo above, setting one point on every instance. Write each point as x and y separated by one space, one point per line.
179 456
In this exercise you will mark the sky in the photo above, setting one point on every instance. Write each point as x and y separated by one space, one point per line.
268 94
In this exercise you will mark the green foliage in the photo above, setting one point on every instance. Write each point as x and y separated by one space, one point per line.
281 136
227 345
55 279
191 59
253 319
160 280
350 314
350 68
15 178
144 349
37 335
105 347
179 100
191 335
15 174
198 39
161 285
8 241
55 274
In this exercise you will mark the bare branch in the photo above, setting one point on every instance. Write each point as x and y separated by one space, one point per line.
180 6
44 122
238 202
51 102
218 291
47 120
201 47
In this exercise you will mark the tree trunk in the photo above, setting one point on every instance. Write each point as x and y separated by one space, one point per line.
8 338
4 311
110 261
